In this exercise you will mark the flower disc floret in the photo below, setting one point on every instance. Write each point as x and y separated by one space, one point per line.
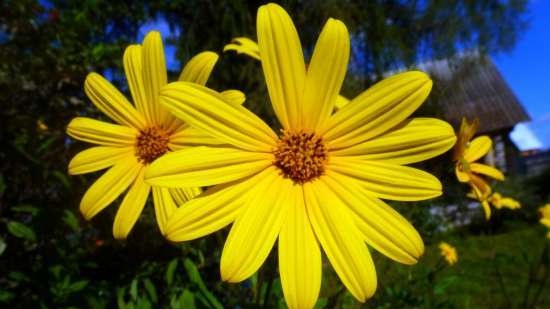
151 143
301 156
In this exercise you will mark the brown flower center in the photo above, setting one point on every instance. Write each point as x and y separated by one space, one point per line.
301 156
151 143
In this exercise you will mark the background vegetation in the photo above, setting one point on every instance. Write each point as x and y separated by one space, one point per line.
51 258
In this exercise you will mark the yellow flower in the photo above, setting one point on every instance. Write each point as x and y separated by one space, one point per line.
316 185
466 154
41 126
544 213
143 133
448 252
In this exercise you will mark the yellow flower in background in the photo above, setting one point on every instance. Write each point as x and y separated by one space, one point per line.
243 45
466 153
448 252
544 213
497 200
143 133
319 184
41 126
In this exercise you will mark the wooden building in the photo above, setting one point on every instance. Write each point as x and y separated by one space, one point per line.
471 86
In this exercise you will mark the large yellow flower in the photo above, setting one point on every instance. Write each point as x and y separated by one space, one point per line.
143 133
448 252
316 185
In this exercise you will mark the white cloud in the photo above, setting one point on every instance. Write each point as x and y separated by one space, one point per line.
524 138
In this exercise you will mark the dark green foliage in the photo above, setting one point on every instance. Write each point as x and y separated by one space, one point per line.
51 258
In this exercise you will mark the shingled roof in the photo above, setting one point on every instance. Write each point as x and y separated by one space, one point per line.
470 86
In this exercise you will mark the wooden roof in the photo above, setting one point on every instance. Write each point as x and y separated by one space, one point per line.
471 86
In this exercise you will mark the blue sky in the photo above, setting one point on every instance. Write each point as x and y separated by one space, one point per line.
527 70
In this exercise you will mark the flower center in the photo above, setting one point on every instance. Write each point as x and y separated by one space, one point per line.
151 143
301 156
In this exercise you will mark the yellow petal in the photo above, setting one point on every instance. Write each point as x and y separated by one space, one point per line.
299 256
212 210
164 207
510 203
479 147
256 228
465 134
109 186
378 109
325 74
340 240
487 170
131 207
190 136
97 158
154 75
480 187
233 124
245 46
133 68
111 102
460 175
101 133
341 101
382 227
415 140
388 181
182 195
205 166
198 69
233 96
486 209
282 63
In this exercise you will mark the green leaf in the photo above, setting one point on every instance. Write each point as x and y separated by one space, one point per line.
133 289
2 185
120 298
26 208
442 285
195 277
150 290
62 177
5 296
71 220
20 230
78 285
187 300
2 245
170 270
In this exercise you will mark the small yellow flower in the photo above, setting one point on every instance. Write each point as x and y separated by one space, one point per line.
320 182
544 213
144 132
467 170
41 126
448 252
